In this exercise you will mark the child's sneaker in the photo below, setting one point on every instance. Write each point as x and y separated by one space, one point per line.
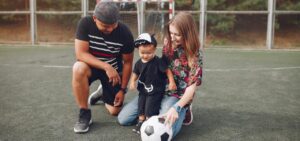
188 116
138 127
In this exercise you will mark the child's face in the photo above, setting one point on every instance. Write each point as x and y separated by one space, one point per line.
147 52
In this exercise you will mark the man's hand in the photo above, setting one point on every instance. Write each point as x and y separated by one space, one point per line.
119 99
112 75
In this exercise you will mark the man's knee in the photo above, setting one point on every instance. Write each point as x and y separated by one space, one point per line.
80 69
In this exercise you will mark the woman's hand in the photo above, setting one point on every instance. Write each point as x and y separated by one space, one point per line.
170 117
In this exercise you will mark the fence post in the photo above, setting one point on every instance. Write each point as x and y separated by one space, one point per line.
271 23
142 16
33 21
162 17
138 11
171 8
84 7
202 24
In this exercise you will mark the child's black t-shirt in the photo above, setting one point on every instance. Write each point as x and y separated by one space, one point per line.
152 75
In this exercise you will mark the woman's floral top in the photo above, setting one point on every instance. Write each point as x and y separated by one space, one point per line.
184 76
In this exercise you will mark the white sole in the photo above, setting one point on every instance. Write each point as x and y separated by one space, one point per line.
192 116
83 131
95 93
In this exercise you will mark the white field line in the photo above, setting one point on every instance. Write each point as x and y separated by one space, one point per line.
32 65
60 67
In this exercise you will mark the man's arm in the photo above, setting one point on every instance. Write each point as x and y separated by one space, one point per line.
127 68
83 55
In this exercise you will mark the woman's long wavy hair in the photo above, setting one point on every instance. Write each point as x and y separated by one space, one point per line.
187 28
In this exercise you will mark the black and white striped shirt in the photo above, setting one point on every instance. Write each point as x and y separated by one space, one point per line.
107 48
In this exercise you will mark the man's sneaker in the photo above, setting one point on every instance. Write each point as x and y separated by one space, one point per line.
138 127
84 121
96 97
188 116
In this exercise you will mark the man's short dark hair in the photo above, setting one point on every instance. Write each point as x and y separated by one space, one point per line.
107 12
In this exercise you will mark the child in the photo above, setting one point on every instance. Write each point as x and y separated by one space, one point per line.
151 72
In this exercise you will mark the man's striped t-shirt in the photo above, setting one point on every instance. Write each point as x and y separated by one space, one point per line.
106 47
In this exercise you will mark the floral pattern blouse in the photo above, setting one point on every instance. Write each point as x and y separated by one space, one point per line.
184 76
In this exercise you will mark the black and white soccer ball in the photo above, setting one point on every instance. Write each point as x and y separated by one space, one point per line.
154 129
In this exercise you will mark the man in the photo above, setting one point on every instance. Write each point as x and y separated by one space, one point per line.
104 51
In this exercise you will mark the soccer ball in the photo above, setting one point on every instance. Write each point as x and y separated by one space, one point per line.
154 129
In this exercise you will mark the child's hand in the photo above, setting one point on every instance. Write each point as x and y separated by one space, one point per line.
132 86
172 86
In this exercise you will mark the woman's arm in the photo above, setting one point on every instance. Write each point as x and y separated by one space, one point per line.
188 95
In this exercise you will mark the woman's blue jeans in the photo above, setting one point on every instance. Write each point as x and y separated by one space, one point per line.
129 113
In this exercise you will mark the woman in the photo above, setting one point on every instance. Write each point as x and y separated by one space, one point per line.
182 52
